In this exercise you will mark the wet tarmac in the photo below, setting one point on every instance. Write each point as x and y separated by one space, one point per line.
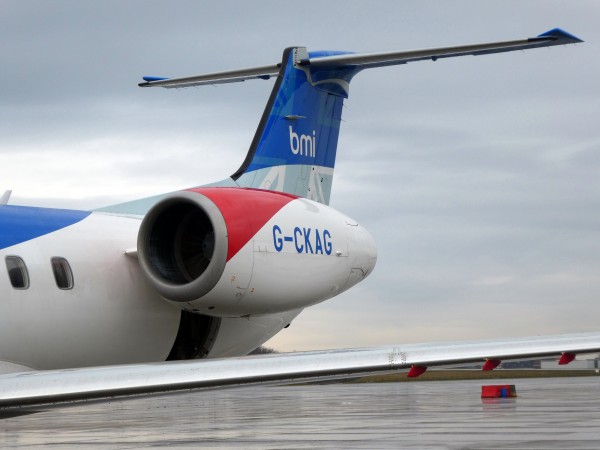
548 414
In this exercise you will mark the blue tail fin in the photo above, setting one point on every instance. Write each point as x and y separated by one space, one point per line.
294 147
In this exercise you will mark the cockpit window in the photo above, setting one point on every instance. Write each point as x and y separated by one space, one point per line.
17 272
62 273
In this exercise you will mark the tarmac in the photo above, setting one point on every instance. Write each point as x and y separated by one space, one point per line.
547 414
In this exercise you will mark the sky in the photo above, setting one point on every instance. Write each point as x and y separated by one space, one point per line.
477 176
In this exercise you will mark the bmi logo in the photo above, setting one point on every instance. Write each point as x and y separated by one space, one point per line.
304 144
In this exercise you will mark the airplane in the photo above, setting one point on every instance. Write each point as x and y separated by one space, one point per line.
168 293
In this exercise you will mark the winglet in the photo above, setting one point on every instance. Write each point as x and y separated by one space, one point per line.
561 36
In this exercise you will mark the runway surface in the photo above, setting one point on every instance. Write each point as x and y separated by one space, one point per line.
548 414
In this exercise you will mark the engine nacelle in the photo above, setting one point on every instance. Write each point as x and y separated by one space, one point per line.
235 252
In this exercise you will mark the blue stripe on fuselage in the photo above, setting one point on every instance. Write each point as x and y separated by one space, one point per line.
22 223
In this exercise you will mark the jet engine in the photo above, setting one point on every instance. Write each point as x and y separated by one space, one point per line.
233 252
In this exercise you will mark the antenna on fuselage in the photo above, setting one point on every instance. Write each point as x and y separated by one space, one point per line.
5 197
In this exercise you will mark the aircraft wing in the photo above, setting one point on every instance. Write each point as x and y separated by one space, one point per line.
58 387
361 61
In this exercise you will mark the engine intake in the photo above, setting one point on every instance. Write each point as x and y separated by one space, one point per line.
182 246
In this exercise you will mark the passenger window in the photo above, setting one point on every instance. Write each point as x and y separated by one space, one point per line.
62 273
17 272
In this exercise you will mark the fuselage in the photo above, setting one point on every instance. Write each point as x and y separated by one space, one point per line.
107 316
73 292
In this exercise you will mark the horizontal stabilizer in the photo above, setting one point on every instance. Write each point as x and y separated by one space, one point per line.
360 61
553 37
232 76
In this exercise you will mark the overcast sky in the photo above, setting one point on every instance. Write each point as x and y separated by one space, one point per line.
478 176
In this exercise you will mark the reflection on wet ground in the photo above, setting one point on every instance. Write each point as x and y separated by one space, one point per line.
548 413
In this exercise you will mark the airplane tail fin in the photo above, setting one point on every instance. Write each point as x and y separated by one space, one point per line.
295 144
294 147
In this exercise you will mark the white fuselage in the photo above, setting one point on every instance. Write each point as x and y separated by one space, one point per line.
114 315
111 315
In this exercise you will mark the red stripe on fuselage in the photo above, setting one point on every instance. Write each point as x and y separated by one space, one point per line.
245 211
